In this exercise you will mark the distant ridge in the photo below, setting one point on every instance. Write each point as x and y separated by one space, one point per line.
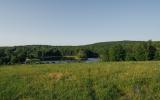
124 42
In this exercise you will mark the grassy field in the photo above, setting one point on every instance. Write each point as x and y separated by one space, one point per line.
81 81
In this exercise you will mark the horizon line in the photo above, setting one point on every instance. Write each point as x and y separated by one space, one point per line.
80 44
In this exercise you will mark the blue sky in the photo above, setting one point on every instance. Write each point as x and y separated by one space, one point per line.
77 22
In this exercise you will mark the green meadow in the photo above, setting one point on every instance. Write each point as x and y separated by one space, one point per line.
81 81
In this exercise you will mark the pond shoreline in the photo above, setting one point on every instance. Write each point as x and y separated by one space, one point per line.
88 60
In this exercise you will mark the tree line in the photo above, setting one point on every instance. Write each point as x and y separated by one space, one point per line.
144 51
109 51
19 54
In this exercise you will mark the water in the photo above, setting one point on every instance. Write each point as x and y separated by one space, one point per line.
92 60
89 60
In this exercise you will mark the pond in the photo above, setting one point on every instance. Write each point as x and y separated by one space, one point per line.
92 60
88 60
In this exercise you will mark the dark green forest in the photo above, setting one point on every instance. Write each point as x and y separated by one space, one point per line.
106 51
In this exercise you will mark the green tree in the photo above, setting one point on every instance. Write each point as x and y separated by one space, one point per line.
141 52
104 56
4 57
82 54
14 60
117 53
157 55
151 51
130 57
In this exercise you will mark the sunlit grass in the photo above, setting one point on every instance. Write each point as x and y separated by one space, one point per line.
81 81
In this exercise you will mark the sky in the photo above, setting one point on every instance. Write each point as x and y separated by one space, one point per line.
77 22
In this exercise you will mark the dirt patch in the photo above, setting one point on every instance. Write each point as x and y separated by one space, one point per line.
56 75
62 76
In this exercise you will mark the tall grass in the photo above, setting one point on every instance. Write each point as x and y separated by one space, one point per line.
81 81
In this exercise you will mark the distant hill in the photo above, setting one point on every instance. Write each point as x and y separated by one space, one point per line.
98 44
115 51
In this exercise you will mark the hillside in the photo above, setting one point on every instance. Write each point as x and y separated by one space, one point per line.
107 51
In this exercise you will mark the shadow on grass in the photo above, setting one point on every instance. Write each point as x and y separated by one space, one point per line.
113 93
90 89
